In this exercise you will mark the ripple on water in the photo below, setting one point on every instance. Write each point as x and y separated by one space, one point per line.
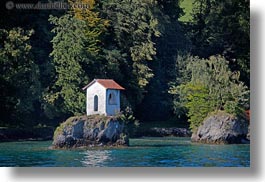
145 152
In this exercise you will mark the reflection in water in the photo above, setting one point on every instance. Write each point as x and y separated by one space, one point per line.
144 152
95 158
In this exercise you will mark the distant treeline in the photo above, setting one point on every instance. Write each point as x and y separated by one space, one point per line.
47 56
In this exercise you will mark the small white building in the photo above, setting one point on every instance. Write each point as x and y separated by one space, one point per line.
103 97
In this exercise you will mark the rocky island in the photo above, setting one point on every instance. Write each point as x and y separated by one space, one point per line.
90 131
222 128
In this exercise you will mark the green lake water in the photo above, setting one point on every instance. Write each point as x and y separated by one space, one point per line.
144 152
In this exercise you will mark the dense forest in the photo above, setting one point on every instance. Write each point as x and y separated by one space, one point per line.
177 59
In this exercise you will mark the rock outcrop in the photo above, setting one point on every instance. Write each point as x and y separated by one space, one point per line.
222 128
87 131
177 132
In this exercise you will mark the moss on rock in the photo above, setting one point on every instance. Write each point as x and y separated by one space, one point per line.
94 130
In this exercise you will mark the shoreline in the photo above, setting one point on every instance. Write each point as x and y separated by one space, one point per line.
26 134
46 133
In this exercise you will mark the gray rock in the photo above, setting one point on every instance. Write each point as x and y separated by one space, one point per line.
77 130
248 135
221 128
177 132
90 131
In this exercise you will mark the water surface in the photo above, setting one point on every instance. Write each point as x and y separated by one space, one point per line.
144 152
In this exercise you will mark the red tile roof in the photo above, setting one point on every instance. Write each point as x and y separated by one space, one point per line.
107 83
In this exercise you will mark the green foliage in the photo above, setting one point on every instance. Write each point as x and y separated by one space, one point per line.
65 95
222 27
187 6
197 100
128 48
131 31
157 103
19 77
182 76
131 123
213 87
143 45
74 46
95 25
223 84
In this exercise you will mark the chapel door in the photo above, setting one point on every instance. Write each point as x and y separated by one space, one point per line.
95 103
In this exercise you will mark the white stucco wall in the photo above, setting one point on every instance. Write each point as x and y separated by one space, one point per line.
112 109
100 91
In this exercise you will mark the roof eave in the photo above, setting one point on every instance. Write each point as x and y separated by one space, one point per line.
88 85
96 80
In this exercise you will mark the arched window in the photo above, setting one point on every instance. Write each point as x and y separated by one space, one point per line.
95 103
112 99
